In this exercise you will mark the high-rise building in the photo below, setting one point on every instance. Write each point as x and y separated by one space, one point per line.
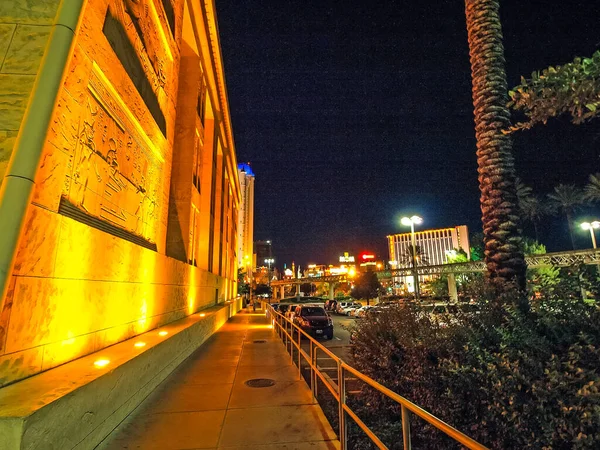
264 250
433 248
246 218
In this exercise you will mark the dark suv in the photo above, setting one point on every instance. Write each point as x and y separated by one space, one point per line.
314 321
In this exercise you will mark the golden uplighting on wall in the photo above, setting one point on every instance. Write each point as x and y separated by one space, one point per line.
191 296
101 363
70 339
261 327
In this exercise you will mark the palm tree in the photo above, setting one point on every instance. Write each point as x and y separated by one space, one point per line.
592 189
502 235
534 210
567 198
421 257
524 192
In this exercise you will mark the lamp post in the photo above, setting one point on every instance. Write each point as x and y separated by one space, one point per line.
411 221
268 262
591 227
248 277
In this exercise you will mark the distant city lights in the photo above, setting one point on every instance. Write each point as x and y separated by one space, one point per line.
346 258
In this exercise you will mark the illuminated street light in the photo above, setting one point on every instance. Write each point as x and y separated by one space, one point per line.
591 226
411 222
269 261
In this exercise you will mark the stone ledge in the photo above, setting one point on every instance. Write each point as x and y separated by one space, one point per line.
74 406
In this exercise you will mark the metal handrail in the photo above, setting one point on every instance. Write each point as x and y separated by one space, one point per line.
285 328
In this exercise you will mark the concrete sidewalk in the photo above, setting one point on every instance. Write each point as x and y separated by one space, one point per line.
206 403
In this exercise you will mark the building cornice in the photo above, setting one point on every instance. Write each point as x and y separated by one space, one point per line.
205 23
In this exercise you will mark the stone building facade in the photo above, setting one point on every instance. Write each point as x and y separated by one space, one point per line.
128 218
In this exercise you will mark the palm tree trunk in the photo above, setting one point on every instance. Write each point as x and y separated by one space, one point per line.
535 231
502 235
570 223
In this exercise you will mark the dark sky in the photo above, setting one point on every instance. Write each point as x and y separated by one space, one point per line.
353 113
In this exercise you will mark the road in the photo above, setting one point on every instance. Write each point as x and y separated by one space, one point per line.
340 344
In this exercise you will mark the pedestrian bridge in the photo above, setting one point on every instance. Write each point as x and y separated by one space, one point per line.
556 259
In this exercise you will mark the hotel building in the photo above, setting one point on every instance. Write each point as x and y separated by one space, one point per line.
245 249
433 248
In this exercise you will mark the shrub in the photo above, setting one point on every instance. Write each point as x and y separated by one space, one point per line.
507 377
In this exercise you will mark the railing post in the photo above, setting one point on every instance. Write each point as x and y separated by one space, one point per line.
312 371
291 343
406 428
342 413
279 327
299 355
316 349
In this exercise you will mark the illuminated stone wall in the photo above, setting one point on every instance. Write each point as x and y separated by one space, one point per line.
133 219
24 30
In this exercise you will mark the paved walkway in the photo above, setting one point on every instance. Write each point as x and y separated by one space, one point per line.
205 403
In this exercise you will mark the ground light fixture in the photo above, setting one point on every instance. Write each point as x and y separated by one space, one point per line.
139 344
101 363
591 226
163 333
202 314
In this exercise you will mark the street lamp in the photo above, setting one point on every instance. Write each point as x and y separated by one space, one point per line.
248 277
269 261
591 226
412 221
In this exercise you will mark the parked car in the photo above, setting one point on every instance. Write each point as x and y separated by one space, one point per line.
361 312
346 311
330 305
342 305
314 321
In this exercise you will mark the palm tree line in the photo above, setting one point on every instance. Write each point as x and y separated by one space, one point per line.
565 199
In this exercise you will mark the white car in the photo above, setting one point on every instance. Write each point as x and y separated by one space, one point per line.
342 305
346 311
361 312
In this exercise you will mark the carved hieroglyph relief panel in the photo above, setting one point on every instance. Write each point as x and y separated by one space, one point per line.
116 154
114 170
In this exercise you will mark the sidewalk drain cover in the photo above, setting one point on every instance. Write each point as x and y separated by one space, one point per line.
260 341
260 382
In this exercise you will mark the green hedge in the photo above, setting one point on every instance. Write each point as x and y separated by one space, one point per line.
508 378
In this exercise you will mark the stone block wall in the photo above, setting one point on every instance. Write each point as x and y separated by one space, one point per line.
92 268
24 29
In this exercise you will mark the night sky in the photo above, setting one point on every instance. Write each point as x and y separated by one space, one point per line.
354 113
